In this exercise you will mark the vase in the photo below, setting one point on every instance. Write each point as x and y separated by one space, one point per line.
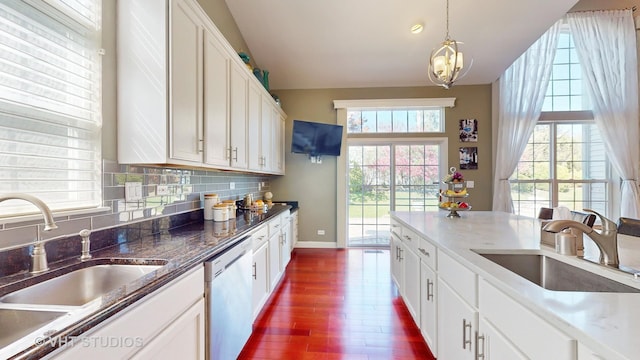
265 79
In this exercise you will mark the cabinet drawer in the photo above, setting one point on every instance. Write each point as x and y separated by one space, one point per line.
459 278
260 236
427 252
396 228
275 225
410 239
526 330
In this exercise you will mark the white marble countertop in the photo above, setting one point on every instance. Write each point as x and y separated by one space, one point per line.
604 322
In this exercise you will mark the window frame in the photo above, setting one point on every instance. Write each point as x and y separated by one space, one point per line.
65 18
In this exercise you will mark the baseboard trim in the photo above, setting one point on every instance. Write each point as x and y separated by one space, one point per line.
315 245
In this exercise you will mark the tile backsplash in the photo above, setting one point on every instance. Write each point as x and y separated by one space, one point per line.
185 192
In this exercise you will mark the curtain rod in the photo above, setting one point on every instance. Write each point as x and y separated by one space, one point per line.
633 9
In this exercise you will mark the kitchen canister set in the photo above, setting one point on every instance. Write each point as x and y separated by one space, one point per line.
216 210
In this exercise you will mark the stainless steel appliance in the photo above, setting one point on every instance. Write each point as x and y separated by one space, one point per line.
228 289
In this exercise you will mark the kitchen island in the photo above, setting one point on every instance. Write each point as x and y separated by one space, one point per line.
507 313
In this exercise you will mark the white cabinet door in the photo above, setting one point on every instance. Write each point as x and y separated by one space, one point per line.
428 296
238 118
274 260
584 353
492 345
285 248
184 339
186 133
277 138
254 127
266 143
260 278
411 293
457 323
216 102
522 327
165 314
397 268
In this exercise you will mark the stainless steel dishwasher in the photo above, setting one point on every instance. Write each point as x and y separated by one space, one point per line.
228 292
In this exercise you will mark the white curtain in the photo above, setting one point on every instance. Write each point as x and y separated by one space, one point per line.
522 88
606 45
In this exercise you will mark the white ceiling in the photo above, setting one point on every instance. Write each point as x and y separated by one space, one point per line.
310 44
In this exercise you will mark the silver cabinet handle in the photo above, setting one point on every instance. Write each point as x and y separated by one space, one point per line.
479 355
235 151
201 145
425 252
429 290
228 153
407 237
466 341
255 273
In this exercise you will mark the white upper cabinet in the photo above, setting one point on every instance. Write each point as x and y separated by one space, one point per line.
238 118
184 95
216 101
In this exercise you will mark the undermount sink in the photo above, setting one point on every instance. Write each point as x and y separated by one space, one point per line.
79 287
14 324
552 274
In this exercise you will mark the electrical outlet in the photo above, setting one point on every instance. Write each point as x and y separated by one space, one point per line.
470 184
132 191
320 232
162 190
232 185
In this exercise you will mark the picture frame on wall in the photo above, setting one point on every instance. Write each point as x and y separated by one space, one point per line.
469 158
468 130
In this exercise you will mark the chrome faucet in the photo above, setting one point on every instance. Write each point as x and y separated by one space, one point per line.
606 240
38 255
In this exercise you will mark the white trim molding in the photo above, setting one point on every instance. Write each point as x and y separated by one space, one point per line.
315 245
371 104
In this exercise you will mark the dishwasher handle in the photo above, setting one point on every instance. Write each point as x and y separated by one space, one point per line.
215 266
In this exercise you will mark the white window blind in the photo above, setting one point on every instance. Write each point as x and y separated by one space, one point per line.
50 103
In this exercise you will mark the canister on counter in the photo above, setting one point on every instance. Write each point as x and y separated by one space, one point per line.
209 201
231 204
220 212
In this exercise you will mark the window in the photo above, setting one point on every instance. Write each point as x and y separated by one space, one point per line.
564 163
50 108
396 121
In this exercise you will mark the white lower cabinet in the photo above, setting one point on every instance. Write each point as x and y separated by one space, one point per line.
428 310
524 329
584 353
465 316
411 293
492 345
457 323
170 324
397 268
182 340
260 277
285 242
274 255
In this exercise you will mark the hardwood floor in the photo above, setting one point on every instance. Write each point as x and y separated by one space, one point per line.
336 304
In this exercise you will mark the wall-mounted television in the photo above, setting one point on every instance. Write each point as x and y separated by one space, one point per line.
316 139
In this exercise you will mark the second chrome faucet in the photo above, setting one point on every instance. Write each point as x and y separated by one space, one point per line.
606 240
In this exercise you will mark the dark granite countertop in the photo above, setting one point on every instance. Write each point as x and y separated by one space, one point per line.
178 250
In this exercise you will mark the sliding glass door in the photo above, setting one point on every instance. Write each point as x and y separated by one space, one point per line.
400 175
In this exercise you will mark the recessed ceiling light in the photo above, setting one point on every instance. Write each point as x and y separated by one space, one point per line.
417 28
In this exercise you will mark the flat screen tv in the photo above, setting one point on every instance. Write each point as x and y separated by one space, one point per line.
316 139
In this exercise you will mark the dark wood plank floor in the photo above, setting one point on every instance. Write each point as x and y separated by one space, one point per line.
336 304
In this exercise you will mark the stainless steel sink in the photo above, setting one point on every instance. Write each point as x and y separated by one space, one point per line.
556 275
79 287
14 324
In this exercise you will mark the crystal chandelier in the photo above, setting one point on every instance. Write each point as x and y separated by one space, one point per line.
446 63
